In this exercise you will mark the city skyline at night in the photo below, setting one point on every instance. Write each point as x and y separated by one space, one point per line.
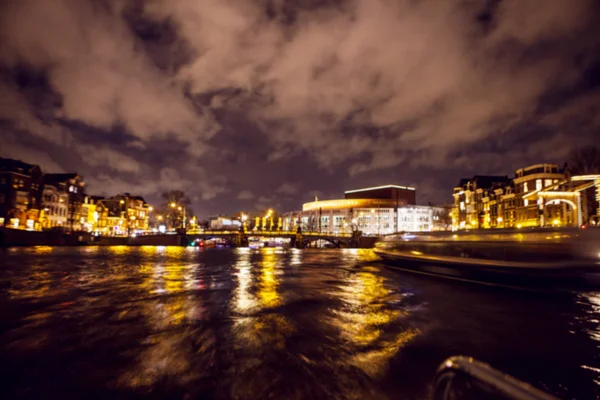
263 104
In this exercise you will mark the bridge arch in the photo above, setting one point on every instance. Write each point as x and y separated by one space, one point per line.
308 240
552 201
231 241
575 213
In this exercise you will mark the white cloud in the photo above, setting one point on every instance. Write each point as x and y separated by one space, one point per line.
245 195
288 189
421 71
103 79
102 156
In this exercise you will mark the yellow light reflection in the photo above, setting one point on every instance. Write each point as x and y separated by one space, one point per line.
42 249
267 291
244 301
365 318
118 249
165 351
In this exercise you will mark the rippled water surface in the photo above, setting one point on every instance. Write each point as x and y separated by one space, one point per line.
177 323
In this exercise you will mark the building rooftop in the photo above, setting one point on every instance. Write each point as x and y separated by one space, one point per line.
380 187
485 181
8 164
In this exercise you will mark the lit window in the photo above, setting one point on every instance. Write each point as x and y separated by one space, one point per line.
548 182
462 205
525 189
538 184
525 202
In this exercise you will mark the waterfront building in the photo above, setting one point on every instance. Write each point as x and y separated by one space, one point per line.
221 222
121 215
469 211
539 195
73 185
89 215
54 208
379 210
20 193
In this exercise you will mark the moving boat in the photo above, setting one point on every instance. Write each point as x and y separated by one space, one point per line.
548 258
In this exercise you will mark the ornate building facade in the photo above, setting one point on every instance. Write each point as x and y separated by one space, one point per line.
539 195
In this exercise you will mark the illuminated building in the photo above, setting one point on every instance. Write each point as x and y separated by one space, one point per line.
121 215
19 194
73 186
539 195
224 223
89 215
54 208
379 210
469 209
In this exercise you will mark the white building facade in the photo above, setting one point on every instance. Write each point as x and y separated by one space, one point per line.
335 217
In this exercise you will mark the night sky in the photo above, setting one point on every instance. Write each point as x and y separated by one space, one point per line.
249 104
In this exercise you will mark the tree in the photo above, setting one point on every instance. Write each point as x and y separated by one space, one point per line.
174 215
585 160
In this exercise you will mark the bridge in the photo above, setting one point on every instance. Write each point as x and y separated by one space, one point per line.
297 239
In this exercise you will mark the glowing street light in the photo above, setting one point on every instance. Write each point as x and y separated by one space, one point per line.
173 205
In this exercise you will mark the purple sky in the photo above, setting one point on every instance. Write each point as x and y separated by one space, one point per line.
248 104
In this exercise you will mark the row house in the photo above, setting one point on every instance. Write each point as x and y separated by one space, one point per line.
72 186
121 215
20 192
539 195
33 200
472 200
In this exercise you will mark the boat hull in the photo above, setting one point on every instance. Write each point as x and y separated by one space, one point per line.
561 263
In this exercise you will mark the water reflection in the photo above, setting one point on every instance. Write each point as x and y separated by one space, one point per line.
259 332
172 316
591 321
267 289
168 322
368 311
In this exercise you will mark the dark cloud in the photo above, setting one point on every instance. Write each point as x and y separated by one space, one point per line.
267 103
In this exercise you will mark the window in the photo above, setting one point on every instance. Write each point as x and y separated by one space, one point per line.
462 206
548 182
525 202
538 184
525 189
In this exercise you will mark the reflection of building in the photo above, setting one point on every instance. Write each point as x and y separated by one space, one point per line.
379 210
539 195
19 194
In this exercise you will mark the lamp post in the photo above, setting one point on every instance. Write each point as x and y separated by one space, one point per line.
181 209
244 218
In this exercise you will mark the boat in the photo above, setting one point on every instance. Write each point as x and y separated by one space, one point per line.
559 257
463 377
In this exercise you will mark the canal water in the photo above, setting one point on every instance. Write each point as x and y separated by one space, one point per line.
183 323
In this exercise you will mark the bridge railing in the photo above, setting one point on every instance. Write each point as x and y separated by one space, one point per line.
265 233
